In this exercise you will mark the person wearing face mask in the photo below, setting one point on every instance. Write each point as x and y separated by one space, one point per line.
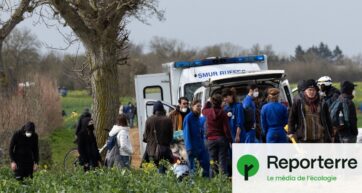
89 156
24 152
177 116
309 118
347 124
249 113
328 92
194 139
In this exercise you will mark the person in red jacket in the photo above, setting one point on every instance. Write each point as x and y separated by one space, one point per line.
218 133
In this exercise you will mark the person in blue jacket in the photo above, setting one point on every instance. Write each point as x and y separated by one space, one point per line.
194 139
249 113
235 113
274 116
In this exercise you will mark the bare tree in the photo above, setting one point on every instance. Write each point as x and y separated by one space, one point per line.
100 26
16 10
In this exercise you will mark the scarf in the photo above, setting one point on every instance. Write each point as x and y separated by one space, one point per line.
312 103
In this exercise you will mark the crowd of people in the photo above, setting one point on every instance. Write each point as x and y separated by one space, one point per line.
320 113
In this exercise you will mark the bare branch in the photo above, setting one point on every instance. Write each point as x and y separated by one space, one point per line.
15 18
74 20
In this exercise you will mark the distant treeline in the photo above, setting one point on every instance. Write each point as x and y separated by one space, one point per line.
23 56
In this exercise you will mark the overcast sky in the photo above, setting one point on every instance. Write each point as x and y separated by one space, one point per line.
282 23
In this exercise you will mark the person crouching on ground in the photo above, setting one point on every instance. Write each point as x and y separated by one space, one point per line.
274 116
194 140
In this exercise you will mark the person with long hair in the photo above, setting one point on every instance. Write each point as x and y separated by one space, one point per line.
218 133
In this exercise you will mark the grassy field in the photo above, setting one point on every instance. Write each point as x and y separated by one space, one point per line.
73 104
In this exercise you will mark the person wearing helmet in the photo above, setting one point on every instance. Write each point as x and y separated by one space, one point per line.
328 92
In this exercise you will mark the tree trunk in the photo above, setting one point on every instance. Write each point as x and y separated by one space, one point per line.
4 79
105 90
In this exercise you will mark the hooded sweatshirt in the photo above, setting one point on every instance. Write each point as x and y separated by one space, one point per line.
217 123
24 150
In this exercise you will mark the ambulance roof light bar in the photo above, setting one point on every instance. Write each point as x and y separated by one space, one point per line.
215 61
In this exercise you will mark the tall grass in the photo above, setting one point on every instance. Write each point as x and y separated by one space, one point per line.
39 103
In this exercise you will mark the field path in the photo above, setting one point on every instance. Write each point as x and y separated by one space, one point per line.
136 158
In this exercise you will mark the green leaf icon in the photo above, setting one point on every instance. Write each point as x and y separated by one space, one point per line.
248 166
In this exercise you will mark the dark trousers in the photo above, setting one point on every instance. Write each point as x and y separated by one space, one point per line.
203 158
218 150
23 171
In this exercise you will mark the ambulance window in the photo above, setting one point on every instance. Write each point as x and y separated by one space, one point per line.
153 92
189 89
198 96
149 108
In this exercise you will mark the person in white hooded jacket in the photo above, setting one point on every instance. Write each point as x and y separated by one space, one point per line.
124 145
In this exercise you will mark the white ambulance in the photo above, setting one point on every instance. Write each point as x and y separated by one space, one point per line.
200 79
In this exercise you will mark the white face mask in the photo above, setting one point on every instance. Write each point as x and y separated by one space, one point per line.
354 93
184 110
322 94
28 134
255 94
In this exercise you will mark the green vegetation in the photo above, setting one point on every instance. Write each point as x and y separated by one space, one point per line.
112 180
62 139
73 104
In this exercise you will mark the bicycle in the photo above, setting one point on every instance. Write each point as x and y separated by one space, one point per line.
71 158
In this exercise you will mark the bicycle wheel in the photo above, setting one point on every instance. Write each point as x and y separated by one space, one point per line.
71 160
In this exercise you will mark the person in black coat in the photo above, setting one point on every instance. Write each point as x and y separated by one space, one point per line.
24 151
87 146
82 121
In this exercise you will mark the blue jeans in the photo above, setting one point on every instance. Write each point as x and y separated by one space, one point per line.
124 161
203 158
276 136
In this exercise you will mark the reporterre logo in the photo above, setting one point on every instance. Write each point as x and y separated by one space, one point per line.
247 165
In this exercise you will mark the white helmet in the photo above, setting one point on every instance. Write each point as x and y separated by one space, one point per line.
324 80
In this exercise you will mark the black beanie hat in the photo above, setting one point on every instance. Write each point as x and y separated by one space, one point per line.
301 85
311 83
158 106
347 87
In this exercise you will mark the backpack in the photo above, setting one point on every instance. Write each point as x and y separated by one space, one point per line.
336 107
111 142
248 118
